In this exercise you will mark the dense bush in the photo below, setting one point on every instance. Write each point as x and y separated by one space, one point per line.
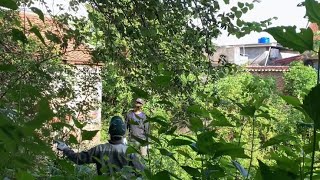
207 123
299 79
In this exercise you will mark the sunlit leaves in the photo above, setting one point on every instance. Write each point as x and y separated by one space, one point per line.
281 138
289 37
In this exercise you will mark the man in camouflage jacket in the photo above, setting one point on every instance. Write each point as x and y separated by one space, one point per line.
111 156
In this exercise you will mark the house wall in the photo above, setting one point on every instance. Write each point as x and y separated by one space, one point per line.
232 55
84 105
277 75
87 103
253 52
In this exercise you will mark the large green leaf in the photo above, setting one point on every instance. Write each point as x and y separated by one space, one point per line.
179 142
312 11
228 149
60 125
278 139
216 114
191 171
171 130
141 141
7 67
9 4
38 12
222 123
18 35
311 105
183 153
288 37
195 124
139 92
264 171
78 124
286 164
162 175
246 110
292 100
162 80
165 102
196 109
167 153
52 37
159 120
24 176
155 139
88 135
206 143
45 113
36 31
267 173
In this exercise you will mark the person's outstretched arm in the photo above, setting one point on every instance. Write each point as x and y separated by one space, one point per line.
84 157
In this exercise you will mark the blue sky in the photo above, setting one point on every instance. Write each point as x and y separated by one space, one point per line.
286 10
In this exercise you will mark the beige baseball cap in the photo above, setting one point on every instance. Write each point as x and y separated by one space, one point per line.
139 101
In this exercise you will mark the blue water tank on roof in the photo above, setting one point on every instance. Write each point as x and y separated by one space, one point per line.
264 40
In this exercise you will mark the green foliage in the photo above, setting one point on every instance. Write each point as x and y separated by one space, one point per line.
312 13
9 4
203 118
299 80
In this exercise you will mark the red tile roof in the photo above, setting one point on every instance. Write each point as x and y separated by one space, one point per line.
76 56
267 68
287 61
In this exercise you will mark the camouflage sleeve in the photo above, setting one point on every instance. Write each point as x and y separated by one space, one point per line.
84 157
127 119
135 162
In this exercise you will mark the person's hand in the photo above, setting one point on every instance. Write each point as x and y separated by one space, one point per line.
61 145
125 141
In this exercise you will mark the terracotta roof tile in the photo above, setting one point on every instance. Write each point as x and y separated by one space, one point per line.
267 68
287 61
79 55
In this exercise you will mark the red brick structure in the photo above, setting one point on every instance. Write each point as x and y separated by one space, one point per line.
275 72
81 60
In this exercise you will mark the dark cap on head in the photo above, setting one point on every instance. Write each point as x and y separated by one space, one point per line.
117 126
